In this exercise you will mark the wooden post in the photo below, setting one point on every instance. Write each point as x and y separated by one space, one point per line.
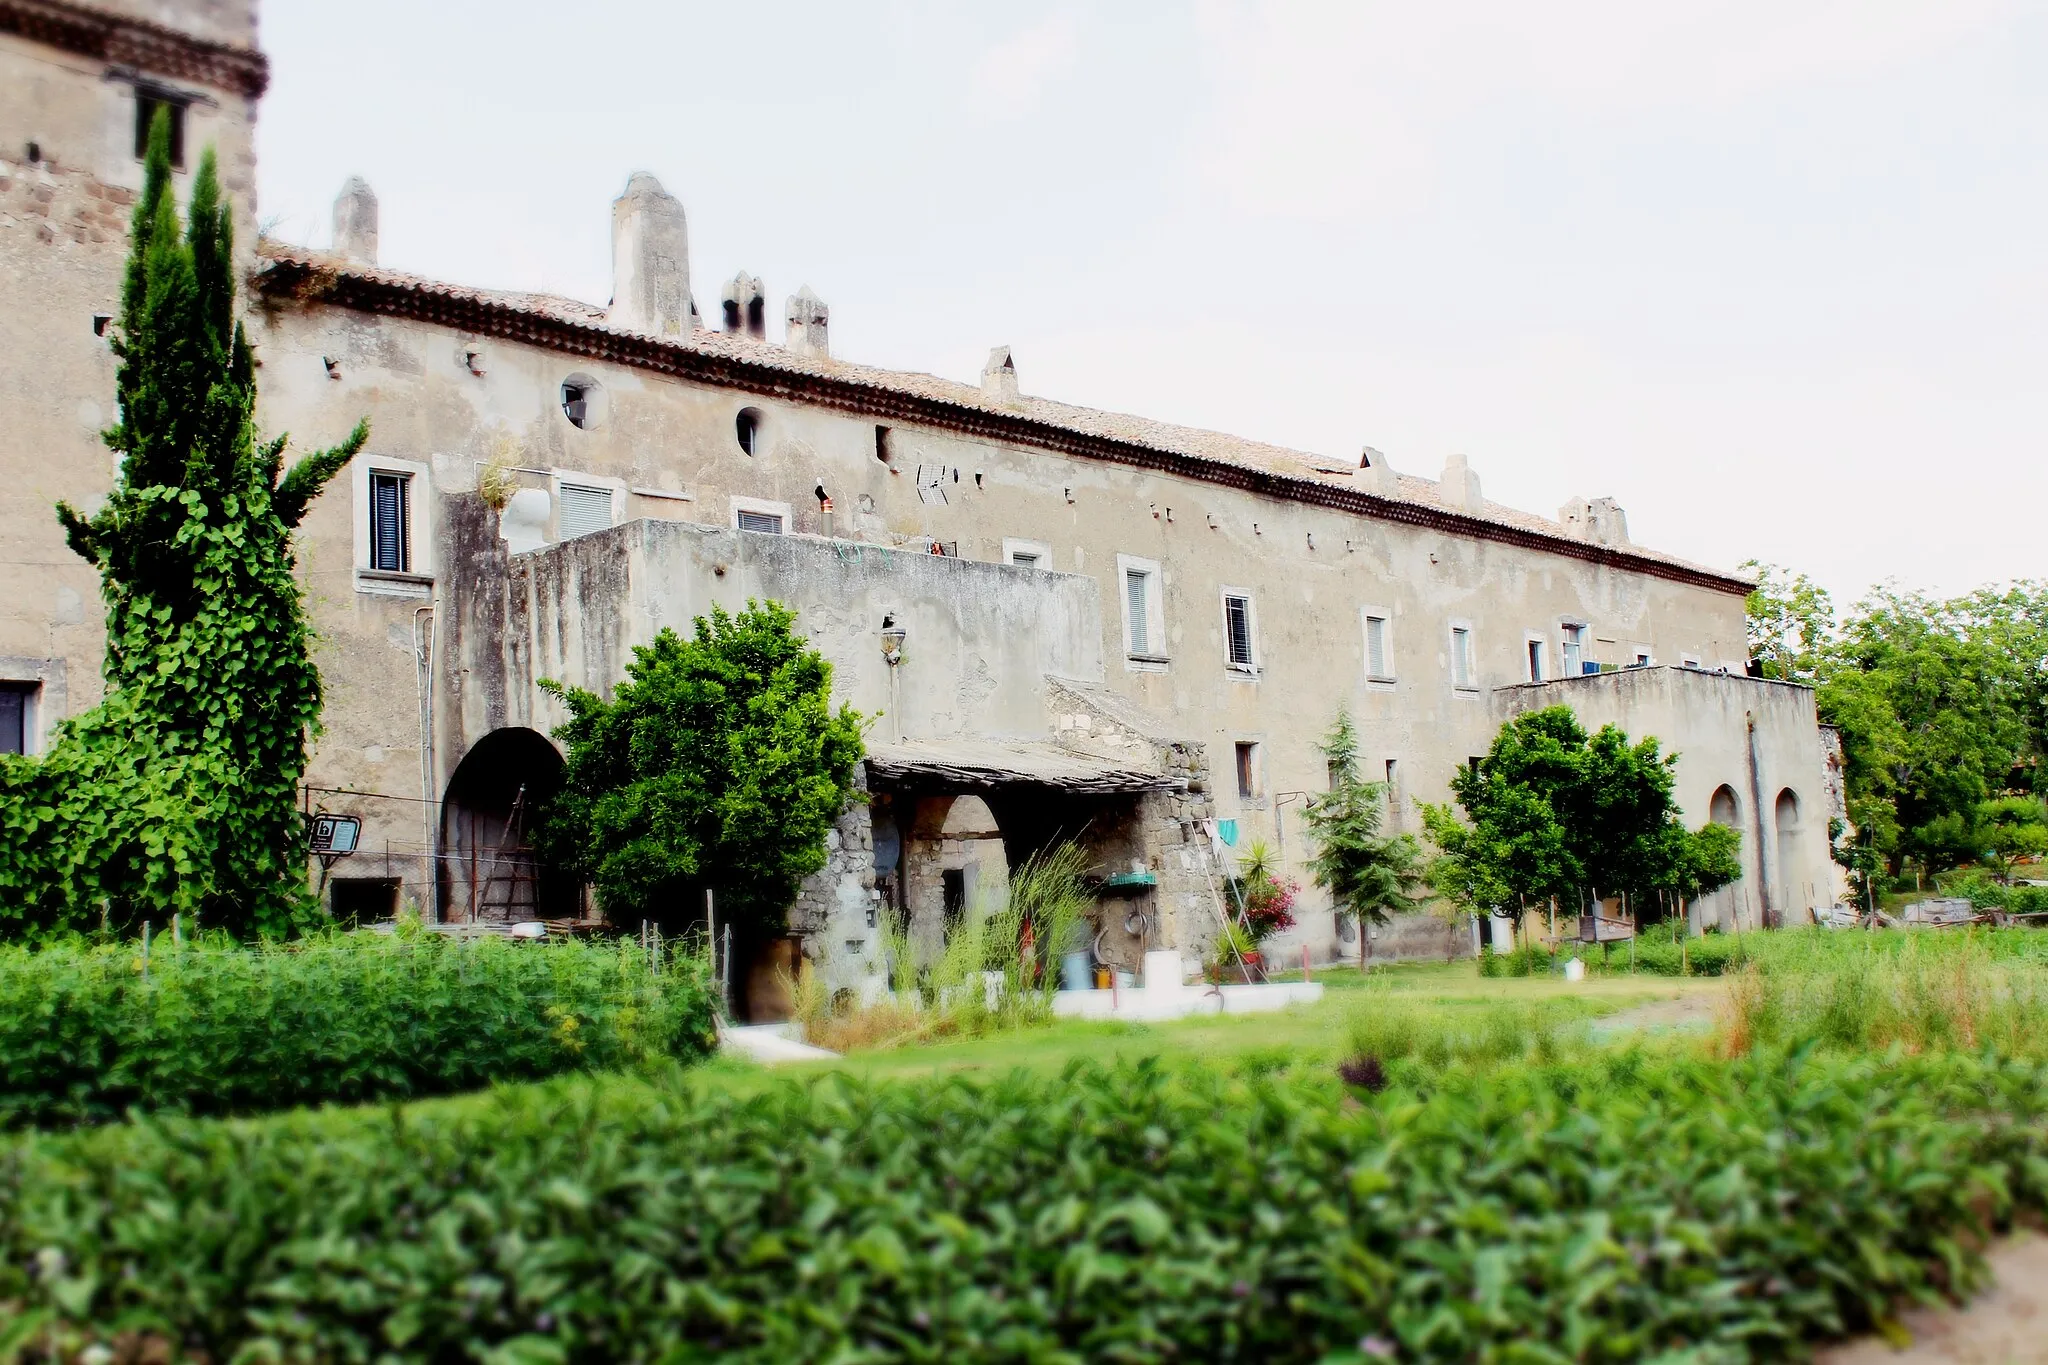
1305 975
145 950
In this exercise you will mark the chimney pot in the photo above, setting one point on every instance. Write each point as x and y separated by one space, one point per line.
745 307
355 222
999 376
1460 487
650 261
807 319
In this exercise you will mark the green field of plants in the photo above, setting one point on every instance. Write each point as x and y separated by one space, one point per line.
1427 1166
89 1032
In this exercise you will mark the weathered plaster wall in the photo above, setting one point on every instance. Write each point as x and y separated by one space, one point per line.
63 225
1757 738
1311 571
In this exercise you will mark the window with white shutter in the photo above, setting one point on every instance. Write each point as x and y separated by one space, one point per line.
765 522
1377 664
1138 592
583 508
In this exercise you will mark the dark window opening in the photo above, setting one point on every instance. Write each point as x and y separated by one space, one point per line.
882 450
732 315
1535 661
1247 771
390 543
1237 630
15 699
146 105
747 426
953 881
365 900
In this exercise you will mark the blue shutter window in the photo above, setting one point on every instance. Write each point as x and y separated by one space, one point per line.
390 545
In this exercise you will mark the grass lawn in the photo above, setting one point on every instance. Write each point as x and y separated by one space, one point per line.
1308 1033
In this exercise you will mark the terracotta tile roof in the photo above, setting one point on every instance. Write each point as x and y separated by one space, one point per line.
123 40
739 361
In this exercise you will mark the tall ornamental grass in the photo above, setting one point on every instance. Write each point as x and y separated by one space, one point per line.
1931 994
86 1033
1632 1206
998 969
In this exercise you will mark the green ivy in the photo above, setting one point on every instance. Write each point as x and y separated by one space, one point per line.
179 792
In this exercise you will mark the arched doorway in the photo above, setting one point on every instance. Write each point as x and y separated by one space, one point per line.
489 871
1791 854
940 858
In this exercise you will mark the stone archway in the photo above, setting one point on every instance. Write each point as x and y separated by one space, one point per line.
489 871
950 861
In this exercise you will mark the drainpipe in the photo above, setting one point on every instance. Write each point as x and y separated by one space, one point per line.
430 806
1765 855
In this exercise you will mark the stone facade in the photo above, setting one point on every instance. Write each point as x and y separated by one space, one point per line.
1151 599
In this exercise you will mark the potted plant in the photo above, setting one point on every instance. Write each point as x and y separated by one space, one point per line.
1264 902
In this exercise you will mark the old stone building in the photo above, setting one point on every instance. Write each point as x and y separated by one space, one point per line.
1064 621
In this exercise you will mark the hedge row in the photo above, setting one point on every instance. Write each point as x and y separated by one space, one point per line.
86 1034
1602 1211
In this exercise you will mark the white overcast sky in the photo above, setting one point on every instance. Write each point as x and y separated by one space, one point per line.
1773 274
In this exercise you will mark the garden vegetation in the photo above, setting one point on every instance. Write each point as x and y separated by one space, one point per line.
179 792
91 1032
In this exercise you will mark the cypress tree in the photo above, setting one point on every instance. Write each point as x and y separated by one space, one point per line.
179 792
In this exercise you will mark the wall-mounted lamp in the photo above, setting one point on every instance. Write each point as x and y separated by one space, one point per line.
892 641
1070 494
1255 529
333 366
1214 525
100 322
1311 540
473 358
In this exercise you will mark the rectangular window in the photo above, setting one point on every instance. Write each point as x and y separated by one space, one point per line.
1535 661
1023 559
1247 771
1461 656
1642 659
1138 603
1574 650
15 699
390 533
1026 554
1688 661
584 509
1377 664
1237 630
147 102
768 523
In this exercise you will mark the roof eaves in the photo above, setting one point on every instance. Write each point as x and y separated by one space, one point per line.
857 389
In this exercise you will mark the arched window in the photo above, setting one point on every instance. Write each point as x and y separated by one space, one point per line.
1725 808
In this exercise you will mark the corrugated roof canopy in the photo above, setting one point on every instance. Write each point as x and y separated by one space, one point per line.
969 765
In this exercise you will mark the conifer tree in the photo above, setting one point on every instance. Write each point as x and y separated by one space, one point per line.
1367 873
179 792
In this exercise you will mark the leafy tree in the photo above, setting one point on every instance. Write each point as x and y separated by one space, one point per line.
718 763
1553 812
2012 828
1367 874
179 792
1933 701
1791 621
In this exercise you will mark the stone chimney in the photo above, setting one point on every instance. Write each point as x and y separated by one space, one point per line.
1460 487
355 222
999 376
650 261
746 306
1599 521
1376 473
806 317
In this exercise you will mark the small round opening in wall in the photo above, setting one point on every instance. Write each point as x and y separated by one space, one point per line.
747 426
583 402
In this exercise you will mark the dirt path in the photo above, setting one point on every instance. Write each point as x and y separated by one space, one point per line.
2006 1325
1693 1011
